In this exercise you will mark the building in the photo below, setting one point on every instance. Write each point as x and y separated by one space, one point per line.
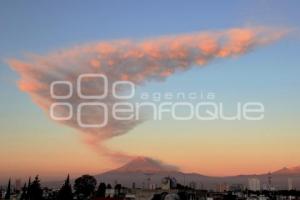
168 183
109 192
236 187
222 187
290 184
193 185
152 186
254 184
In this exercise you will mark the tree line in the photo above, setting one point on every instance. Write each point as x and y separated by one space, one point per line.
84 188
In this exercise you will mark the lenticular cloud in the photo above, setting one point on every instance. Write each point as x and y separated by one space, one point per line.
135 61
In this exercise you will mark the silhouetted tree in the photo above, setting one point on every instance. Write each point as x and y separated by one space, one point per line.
65 192
118 188
24 193
35 191
101 190
108 186
159 196
85 186
229 196
8 191
28 189
182 195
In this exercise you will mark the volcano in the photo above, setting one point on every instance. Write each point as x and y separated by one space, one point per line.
288 171
145 165
143 170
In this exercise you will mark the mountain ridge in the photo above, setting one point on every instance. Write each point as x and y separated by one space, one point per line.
146 164
143 170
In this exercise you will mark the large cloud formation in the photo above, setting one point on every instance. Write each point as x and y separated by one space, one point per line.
136 61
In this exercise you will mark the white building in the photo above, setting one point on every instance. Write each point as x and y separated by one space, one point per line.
254 184
168 183
109 192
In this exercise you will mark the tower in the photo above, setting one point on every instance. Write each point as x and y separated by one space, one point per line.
269 180
290 184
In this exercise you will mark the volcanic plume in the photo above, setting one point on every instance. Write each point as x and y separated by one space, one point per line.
130 60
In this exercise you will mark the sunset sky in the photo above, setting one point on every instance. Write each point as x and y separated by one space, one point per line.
31 143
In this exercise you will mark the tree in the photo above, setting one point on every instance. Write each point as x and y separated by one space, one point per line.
8 191
28 189
24 192
101 190
118 188
85 186
65 192
35 191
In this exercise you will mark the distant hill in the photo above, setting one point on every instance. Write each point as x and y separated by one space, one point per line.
143 171
288 171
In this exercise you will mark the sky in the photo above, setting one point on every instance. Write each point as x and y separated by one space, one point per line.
31 143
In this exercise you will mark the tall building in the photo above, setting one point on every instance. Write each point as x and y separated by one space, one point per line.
254 184
290 184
